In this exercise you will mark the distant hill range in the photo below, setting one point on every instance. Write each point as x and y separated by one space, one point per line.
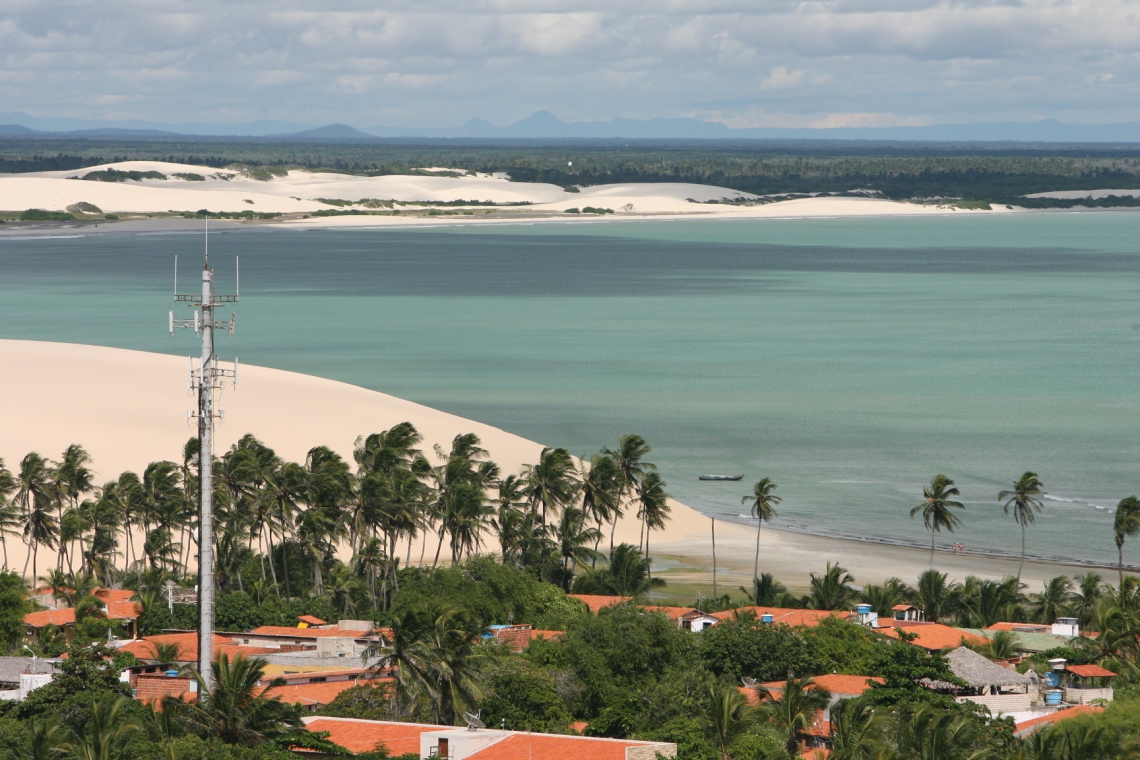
544 125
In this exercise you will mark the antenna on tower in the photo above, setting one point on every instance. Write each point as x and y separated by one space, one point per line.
206 379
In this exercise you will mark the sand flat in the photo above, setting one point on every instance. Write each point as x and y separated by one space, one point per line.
128 408
298 194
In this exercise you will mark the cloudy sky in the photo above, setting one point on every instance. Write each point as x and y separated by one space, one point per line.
431 63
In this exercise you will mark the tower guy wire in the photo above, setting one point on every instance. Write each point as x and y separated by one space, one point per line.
208 377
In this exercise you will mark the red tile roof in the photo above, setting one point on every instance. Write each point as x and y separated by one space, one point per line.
1027 727
674 613
187 643
310 619
305 633
786 616
367 735
596 602
836 684
523 746
317 694
935 636
66 616
1089 671
903 607
115 594
1027 627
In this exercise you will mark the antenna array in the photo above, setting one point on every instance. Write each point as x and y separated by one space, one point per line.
204 380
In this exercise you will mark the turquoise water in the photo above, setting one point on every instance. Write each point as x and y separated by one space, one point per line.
849 360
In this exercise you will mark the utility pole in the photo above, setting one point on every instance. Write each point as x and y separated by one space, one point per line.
207 378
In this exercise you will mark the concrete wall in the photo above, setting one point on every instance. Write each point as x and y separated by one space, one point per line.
650 751
1086 696
1004 703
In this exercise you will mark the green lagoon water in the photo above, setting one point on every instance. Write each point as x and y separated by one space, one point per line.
849 360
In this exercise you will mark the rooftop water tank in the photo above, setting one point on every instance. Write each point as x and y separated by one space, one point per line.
766 618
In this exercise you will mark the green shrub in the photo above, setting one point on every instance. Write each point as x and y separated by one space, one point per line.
573 211
594 210
40 215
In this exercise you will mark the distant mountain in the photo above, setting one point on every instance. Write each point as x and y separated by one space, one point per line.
543 125
330 132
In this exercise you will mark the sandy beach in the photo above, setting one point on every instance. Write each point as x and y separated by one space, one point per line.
128 408
412 199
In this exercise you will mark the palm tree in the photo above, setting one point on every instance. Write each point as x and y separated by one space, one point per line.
858 732
574 535
934 733
9 510
729 717
985 602
1023 500
1053 601
1003 645
793 712
764 503
935 510
626 575
766 590
833 590
883 598
105 732
167 652
34 494
46 741
936 595
551 482
601 486
652 504
1126 523
1090 588
72 480
632 467
343 587
509 515
236 710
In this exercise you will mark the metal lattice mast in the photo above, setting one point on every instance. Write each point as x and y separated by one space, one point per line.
207 378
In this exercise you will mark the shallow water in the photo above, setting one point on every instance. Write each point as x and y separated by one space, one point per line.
849 360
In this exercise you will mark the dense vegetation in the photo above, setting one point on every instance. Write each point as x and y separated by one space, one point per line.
996 173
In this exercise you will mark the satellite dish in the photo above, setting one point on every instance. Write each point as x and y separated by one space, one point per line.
749 683
473 722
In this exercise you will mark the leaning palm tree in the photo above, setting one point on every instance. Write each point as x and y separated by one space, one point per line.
236 710
763 508
9 511
551 483
936 507
652 504
574 536
632 467
1023 500
729 717
105 732
794 710
34 494
1125 524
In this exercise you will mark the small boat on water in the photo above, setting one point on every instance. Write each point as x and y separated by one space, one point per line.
720 477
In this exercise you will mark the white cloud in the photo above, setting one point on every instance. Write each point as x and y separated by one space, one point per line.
438 62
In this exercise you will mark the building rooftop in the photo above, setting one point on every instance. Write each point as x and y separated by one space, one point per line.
934 637
359 736
1025 728
1089 671
786 616
596 602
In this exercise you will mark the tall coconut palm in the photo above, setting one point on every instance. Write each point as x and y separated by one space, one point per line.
936 507
601 490
936 595
9 510
763 502
35 496
652 505
1053 601
630 460
73 480
236 710
574 536
551 482
794 711
1023 500
626 575
1125 524
729 717
507 523
766 590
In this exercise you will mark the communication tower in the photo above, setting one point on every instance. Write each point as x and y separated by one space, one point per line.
208 377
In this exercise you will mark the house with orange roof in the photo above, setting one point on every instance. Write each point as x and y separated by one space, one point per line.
116 606
478 743
186 646
791 617
518 637
314 690
597 602
933 637
686 618
345 638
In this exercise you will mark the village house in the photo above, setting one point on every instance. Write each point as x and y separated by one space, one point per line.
451 743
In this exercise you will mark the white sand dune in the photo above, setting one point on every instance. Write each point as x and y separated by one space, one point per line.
128 408
298 194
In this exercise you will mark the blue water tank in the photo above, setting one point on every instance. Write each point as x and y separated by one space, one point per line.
1053 697
172 674
766 618
863 609
1052 678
